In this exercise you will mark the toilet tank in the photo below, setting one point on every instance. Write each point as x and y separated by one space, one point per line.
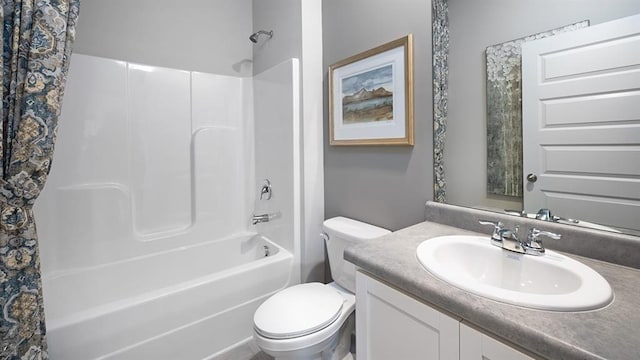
342 232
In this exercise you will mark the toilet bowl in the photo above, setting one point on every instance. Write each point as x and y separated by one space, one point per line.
295 324
314 320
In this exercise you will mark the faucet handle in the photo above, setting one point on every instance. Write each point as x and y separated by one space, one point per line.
535 233
533 241
265 191
489 222
520 213
497 227
560 218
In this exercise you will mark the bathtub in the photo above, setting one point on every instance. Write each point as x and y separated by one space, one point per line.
188 303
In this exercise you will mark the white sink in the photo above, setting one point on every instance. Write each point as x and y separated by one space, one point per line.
548 282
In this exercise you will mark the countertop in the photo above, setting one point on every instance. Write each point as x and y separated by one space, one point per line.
612 332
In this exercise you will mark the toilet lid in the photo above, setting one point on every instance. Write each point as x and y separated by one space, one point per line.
297 311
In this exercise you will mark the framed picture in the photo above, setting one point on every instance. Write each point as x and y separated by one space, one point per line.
371 96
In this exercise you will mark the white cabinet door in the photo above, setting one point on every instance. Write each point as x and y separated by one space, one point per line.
392 325
475 345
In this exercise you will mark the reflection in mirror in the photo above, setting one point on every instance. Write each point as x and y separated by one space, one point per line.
547 215
474 25
504 112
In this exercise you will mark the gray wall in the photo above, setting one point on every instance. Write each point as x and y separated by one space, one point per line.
385 186
284 18
197 35
474 25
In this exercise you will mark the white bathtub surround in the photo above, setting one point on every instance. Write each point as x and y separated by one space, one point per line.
277 117
297 32
147 250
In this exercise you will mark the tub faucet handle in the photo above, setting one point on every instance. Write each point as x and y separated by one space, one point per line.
265 191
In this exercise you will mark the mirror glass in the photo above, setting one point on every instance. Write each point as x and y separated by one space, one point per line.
475 25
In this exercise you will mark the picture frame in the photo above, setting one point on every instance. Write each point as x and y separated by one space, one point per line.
371 96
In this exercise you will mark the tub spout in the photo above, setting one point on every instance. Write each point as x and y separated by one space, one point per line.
262 218
259 218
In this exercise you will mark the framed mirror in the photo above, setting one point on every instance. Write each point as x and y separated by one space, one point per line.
467 28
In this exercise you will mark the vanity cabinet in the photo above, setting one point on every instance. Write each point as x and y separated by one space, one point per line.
475 345
393 325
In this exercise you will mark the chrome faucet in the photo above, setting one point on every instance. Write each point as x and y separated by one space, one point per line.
263 218
508 238
545 215
503 237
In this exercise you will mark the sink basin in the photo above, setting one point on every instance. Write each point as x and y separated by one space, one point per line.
549 282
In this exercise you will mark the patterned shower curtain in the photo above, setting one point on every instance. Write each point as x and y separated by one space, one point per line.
36 36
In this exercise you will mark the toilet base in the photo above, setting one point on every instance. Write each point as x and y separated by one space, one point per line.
336 347
343 347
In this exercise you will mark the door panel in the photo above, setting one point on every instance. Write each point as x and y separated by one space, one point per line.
581 123
392 325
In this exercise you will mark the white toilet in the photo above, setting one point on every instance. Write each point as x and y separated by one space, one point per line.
314 320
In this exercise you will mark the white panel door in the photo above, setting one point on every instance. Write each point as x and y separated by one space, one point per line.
392 325
581 123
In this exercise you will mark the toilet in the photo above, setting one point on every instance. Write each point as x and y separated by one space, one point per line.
314 320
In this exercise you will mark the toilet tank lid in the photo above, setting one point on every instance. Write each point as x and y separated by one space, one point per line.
353 230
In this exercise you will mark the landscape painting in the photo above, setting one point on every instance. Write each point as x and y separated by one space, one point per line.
371 96
368 97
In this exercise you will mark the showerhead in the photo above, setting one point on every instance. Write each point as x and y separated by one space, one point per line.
255 35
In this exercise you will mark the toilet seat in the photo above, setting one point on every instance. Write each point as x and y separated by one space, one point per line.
298 311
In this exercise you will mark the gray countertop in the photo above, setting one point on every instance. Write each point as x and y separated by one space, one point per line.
609 333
